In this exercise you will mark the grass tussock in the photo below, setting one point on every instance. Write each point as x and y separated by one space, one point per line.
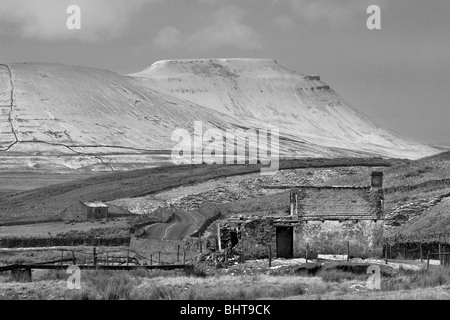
336 275
105 285
410 280
196 272
116 285
144 285
54 275
28 257
206 292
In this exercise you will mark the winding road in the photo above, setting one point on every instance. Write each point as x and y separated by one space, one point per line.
182 223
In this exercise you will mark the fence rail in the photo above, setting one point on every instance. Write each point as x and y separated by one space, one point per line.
92 267
110 260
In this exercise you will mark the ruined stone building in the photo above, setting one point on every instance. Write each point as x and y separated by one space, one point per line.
326 220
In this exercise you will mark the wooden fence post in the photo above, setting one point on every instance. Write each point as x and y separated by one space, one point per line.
446 257
151 259
184 257
159 257
421 252
178 254
386 248
94 253
270 256
390 251
219 240
226 258
348 251
307 252
128 257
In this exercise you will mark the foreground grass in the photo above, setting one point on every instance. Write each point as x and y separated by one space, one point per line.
410 280
436 293
327 284
225 288
176 285
158 285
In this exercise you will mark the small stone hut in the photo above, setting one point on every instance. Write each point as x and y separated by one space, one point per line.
84 211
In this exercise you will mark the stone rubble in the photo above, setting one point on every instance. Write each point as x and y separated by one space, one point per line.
407 212
238 188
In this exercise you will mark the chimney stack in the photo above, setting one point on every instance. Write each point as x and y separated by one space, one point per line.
294 203
377 180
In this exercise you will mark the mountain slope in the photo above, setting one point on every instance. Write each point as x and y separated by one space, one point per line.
78 106
264 93
79 117
66 116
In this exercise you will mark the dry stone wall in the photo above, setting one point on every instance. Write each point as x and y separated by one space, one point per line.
332 237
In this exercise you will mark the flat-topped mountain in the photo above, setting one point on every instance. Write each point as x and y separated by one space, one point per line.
263 92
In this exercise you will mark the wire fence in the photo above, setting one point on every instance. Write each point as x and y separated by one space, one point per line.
98 256
435 246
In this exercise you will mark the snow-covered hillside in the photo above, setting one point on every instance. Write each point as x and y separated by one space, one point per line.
263 92
78 106
74 114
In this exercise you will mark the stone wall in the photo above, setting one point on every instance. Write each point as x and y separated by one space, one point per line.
331 237
96 213
75 213
63 242
255 237
328 237
79 213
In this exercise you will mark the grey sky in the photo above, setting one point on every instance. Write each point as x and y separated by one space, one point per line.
399 75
